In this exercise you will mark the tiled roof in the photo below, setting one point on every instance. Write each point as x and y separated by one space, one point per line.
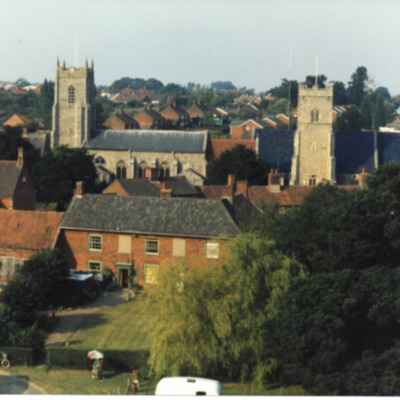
276 148
173 216
149 141
28 230
180 186
218 146
139 187
289 196
9 175
354 151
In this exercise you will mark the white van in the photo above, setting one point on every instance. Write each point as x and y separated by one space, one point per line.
188 386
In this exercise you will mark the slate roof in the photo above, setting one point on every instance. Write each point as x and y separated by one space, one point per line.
28 230
388 147
149 141
180 186
276 148
9 175
172 216
354 150
40 141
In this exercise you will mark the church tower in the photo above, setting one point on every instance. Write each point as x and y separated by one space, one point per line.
313 158
74 112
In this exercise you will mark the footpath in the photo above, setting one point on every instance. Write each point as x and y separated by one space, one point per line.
68 323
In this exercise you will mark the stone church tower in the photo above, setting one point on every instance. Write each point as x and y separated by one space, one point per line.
74 112
314 142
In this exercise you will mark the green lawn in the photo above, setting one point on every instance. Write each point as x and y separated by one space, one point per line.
118 328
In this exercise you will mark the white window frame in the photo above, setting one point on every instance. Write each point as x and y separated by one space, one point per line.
155 275
211 250
95 242
90 268
149 243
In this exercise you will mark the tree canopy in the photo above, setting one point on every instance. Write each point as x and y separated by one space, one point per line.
208 316
241 162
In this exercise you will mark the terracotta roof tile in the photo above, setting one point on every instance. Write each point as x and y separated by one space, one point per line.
218 146
28 230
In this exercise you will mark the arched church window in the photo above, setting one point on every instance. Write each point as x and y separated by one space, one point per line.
164 170
71 95
142 169
312 180
121 170
314 115
99 160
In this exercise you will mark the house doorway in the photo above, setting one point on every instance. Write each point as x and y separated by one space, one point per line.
123 272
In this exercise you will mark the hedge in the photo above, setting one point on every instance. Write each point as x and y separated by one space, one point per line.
19 355
118 360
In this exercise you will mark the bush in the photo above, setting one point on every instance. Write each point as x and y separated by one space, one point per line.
118 360
19 355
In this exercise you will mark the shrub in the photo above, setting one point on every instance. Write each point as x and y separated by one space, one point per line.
118 360
19 355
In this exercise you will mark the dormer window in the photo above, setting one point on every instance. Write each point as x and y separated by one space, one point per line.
71 95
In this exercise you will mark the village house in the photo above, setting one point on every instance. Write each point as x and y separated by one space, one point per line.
196 112
149 118
24 233
16 187
176 116
32 124
122 233
246 129
121 121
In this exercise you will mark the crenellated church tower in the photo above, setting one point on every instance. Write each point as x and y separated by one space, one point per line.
314 142
74 112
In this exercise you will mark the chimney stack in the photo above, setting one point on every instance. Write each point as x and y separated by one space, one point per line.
79 189
231 180
20 159
363 178
165 192
274 181
242 187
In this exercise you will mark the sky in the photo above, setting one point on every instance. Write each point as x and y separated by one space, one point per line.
252 43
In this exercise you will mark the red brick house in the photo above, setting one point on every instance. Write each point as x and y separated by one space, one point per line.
16 186
196 112
24 233
143 233
176 116
245 129
121 121
149 118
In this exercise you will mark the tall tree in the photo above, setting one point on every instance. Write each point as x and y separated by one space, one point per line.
366 112
379 113
241 162
339 93
357 87
310 81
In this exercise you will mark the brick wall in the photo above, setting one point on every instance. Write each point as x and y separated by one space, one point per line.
75 245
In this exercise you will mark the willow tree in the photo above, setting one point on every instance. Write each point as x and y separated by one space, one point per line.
206 318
